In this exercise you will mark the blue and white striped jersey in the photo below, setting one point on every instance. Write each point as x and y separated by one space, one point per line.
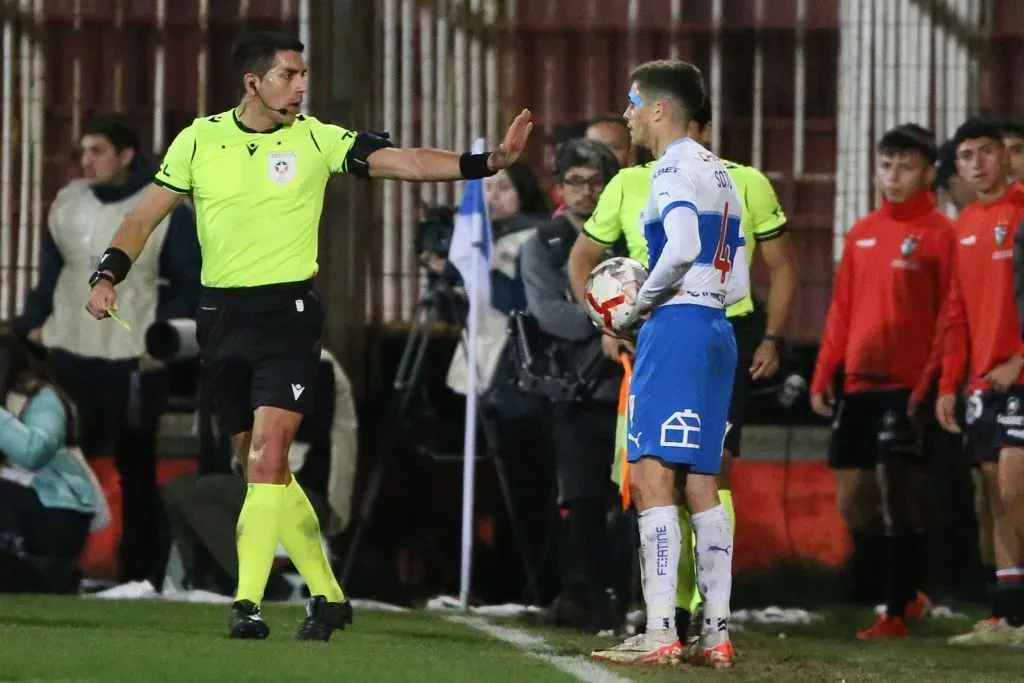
692 227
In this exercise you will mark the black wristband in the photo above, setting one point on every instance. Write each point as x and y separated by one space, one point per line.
117 262
473 166
101 275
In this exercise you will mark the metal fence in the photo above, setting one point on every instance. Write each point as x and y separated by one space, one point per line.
801 88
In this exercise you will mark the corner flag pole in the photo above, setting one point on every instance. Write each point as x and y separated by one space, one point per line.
472 398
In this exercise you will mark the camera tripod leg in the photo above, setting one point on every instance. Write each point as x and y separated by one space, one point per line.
365 511
392 436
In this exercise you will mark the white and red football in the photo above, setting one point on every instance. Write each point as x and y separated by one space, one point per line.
607 303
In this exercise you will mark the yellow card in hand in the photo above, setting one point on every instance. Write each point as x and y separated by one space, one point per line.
121 321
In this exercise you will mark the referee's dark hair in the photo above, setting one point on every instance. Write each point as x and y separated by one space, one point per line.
671 79
115 128
589 154
909 137
255 52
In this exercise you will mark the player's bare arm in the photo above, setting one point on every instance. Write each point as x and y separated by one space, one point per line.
128 242
423 164
1005 374
584 257
586 254
778 256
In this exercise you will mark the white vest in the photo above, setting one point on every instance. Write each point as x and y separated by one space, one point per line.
493 331
82 227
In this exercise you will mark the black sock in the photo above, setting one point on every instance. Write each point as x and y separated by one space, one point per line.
682 624
1001 599
989 572
1009 597
864 575
901 570
921 565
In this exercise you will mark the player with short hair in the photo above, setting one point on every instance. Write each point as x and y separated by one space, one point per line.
982 327
1013 139
257 174
890 286
764 228
685 362
949 186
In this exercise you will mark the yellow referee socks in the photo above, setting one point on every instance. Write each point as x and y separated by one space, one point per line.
300 535
686 583
256 538
687 593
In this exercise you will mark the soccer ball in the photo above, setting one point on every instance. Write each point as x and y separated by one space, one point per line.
607 304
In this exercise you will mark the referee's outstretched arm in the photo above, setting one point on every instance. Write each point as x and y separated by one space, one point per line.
436 164
273 84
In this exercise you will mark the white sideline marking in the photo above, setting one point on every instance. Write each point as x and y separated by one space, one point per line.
534 645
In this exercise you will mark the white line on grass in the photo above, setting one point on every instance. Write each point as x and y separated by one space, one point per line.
534 645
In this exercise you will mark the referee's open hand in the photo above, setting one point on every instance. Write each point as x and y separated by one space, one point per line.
514 143
101 300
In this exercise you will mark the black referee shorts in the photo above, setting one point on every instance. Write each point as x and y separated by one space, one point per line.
749 330
260 347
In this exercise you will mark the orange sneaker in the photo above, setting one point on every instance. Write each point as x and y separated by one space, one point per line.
918 609
721 656
885 627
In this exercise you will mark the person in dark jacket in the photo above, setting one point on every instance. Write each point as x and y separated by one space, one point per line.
120 391
583 429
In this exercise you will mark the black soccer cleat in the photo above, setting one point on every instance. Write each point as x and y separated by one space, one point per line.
247 622
324 618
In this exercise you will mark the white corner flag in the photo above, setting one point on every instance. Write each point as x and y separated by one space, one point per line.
470 252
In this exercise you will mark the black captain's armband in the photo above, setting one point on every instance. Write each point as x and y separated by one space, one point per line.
356 162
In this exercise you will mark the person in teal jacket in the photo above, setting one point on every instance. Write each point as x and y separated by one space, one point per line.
48 498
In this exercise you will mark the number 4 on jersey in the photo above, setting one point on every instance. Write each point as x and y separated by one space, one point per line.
723 254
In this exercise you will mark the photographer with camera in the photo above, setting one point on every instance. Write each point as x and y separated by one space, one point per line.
584 410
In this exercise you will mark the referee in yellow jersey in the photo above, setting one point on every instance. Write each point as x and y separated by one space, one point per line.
257 174
759 341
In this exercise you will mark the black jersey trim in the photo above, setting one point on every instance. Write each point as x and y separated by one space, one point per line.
172 188
598 240
769 235
246 129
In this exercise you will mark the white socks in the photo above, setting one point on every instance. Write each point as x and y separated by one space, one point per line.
714 572
660 542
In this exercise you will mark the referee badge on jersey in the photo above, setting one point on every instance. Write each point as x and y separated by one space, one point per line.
1012 405
908 246
281 167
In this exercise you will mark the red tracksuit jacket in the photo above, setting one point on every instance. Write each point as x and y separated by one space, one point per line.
980 321
891 285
